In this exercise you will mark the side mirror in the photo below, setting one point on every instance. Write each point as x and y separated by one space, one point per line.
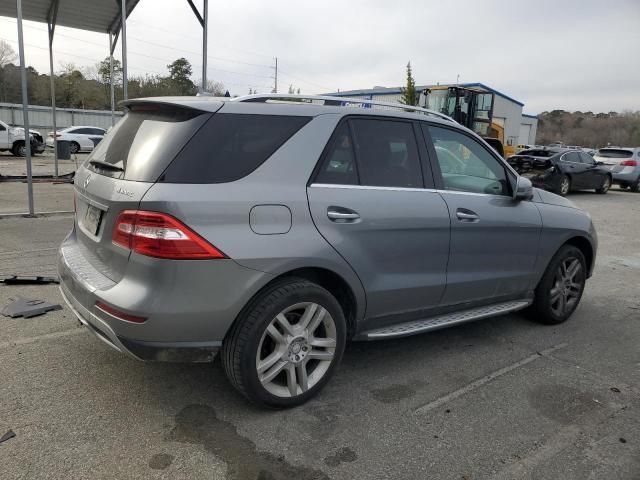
523 190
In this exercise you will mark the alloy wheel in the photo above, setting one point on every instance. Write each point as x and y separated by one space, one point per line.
296 349
567 286
564 186
606 185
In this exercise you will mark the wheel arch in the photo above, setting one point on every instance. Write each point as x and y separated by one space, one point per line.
328 279
584 245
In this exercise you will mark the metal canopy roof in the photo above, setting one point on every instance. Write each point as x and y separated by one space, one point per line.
93 15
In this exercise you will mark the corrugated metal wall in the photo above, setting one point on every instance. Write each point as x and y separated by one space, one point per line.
40 118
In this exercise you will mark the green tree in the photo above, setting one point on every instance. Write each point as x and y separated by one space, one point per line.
180 77
409 96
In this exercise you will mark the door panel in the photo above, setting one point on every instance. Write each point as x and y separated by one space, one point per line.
493 254
398 245
494 239
575 169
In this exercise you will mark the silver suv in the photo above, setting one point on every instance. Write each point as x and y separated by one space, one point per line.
276 228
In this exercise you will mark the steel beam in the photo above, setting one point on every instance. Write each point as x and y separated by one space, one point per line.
123 27
205 13
25 108
111 87
51 27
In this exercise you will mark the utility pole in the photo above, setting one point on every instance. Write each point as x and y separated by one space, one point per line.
276 77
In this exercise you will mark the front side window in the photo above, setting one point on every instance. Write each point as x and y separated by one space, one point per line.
572 157
387 153
586 158
466 165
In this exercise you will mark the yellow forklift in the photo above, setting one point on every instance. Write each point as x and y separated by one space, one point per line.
470 107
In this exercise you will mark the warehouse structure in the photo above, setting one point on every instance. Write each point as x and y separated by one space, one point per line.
519 128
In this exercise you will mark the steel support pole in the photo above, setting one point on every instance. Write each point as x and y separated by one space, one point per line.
112 94
25 107
53 102
123 24
205 17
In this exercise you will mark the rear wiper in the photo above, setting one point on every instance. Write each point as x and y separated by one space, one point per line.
107 165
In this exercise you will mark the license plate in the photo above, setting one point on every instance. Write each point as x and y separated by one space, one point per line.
92 219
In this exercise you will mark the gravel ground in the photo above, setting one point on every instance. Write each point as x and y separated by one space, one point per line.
498 399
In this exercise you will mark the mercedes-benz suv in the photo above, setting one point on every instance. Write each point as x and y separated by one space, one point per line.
274 229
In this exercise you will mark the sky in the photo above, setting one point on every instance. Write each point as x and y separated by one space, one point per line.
549 54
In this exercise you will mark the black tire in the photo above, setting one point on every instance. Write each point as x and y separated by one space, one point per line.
240 347
542 309
564 186
606 185
635 186
74 148
19 149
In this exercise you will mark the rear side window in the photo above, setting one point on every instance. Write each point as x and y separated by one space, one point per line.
339 165
231 146
387 153
143 143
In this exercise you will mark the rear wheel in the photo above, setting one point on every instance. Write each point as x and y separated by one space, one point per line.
606 185
565 185
284 348
635 186
74 147
560 289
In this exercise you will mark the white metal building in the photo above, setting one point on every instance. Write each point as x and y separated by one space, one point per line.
519 128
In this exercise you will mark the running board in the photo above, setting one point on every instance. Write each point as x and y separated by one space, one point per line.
447 320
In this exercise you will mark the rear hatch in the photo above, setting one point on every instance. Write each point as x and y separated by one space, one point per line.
120 170
613 157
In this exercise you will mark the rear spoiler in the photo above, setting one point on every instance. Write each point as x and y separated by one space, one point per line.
203 104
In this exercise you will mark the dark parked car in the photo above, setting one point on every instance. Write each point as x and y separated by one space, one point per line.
561 170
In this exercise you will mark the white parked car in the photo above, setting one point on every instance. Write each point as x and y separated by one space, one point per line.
82 139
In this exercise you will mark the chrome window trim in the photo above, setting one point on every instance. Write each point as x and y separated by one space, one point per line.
368 187
403 189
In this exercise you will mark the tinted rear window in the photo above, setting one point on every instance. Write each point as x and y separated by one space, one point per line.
614 153
231 146
145 141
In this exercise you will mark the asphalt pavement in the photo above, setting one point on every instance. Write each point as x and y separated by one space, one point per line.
502 398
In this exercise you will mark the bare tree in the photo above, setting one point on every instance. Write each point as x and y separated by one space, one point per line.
7 54
215 88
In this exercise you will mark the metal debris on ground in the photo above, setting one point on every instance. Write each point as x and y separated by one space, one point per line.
23 307
7 436
28 280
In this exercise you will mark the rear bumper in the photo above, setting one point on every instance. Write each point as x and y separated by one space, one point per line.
626 177
192 352
188 308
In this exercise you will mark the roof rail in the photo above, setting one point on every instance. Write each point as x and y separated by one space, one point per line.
338 102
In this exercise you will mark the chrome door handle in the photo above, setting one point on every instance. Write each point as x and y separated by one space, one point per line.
466 215
347 215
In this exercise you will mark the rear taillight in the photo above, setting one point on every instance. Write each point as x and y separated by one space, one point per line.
118 314
629 163
160 235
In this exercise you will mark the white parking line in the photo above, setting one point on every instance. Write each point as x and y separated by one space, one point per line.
47 336
486 379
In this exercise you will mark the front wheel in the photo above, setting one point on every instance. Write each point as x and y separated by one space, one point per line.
606 185
565 185
19 150
560 289
286 345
